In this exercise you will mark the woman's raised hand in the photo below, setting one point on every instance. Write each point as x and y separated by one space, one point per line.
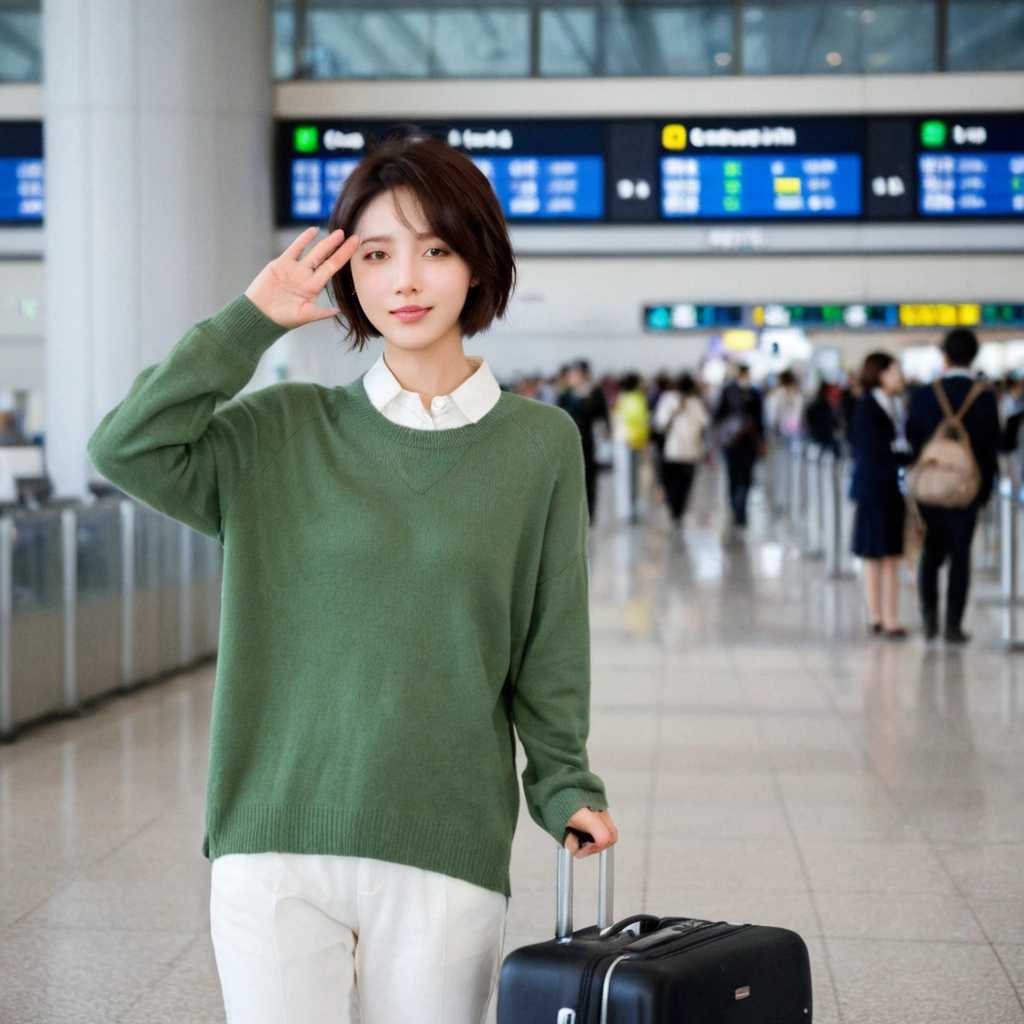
286 288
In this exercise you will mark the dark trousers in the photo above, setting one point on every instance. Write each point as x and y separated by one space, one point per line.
678 479
739 463
590 477
949 535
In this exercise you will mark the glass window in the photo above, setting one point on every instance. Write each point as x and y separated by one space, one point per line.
569 42
799 37
482 42
20 41
985 35
351 42
685 39
396 42
284 42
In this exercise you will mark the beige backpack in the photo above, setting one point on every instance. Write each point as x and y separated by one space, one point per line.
946 474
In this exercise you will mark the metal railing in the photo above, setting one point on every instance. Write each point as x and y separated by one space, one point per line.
97 599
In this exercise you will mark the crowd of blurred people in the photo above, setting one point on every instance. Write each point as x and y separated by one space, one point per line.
674 424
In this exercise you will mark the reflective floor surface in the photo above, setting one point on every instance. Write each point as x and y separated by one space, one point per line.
766 761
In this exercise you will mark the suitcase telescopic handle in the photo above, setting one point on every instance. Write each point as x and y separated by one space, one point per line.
605 891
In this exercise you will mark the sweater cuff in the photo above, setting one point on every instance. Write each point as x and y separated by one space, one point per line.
246 327
565 803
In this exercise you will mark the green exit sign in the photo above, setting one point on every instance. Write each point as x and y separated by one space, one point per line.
307 139
933 134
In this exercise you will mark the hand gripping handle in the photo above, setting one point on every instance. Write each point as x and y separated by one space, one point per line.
605 892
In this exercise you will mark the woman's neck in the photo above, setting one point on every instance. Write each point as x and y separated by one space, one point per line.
435 370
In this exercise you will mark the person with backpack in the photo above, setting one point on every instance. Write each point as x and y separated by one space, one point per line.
878 446
739 433
953 429
682 418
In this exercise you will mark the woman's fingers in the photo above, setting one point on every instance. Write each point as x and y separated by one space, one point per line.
294 251
315 257
332 264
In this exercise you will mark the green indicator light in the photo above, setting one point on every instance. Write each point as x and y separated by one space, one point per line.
307 139
832 314
1007 314
796 314
733 169
732 204
1016 184
933 134
733 187
988 314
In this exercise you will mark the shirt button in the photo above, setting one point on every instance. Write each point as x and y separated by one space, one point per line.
438 404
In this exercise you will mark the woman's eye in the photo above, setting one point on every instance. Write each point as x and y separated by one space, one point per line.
435 252
373 255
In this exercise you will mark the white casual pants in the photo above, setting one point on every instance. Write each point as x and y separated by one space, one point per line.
304 939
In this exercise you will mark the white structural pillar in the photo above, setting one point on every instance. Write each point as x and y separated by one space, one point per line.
159 210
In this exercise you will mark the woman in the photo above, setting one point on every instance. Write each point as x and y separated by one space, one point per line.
405 581
878 443
683 419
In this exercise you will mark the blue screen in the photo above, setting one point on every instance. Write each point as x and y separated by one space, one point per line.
760 186
21 189
971 184
542 188
547 187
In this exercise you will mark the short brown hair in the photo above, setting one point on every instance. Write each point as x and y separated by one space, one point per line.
874 366
460 206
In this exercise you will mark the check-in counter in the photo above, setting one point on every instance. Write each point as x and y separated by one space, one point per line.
98 620
32 618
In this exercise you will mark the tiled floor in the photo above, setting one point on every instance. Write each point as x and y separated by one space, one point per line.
765 759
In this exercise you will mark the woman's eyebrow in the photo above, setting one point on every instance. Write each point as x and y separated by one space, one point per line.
421 236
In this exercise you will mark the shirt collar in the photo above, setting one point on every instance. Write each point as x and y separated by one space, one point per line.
958 371
475 396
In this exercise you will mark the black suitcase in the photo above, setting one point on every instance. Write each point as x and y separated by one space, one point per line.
650 970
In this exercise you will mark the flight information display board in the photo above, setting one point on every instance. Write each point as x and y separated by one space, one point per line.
755 170
913 168
971 167
686 316
540 170
21 172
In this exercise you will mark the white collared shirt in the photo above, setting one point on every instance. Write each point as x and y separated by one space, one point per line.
469 402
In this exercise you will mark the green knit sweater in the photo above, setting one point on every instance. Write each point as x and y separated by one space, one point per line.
394 602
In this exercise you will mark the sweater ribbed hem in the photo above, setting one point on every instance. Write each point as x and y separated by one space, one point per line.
455 437
428 843
246 327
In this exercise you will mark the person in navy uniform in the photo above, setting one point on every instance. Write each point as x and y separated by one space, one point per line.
879 448
951 530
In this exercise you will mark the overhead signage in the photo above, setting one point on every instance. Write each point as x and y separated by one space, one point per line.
685 316
745 172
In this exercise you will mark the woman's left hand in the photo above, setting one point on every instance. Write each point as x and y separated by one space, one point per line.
599 824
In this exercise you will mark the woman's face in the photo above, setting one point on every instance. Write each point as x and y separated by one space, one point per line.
891 379
411 285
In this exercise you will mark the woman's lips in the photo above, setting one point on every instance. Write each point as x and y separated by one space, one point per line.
408 316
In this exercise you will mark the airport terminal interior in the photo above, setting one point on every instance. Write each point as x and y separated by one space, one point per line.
754 239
